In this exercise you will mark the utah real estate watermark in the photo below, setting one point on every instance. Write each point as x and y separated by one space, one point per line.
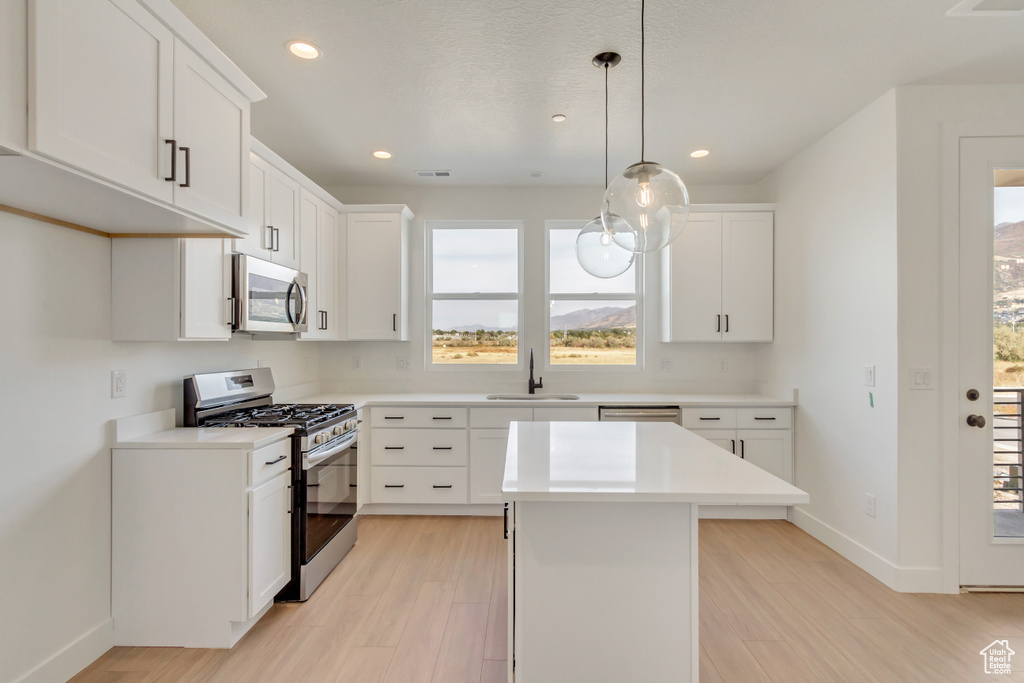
997 657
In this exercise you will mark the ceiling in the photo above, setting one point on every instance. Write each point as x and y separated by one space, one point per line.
470 86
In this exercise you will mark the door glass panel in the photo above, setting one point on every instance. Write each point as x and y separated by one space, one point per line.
1008 352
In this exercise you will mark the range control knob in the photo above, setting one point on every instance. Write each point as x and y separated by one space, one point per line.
338 431
320 438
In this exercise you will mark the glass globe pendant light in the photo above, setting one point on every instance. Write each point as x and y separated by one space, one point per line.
646 207
596 250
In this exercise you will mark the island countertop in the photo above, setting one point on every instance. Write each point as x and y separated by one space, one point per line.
632 462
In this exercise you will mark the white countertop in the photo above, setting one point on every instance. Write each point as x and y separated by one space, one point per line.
587 400
632 462
191 437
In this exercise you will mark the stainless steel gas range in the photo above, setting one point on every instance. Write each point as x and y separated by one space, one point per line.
323 464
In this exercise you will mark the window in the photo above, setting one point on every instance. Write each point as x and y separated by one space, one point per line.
474 287
592 320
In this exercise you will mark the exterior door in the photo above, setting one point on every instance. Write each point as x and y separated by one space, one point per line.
991 300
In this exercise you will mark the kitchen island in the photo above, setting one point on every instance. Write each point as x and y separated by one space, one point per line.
603 546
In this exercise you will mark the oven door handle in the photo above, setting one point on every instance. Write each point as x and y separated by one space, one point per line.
320 457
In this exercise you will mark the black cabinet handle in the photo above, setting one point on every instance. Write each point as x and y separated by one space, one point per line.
174 161
506 520
734 446
442 448
764 418
709 419
726 322
277 460
441 418
742 450
394 448
395 417
442 486
719 328
394 486
188 167
394 322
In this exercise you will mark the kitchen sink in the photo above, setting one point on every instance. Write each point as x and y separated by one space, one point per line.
533 397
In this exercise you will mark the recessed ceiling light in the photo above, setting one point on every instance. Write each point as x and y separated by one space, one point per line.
558 118
304 50
699 153
536 174
381 154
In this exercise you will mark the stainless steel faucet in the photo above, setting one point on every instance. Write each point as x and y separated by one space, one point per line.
534 385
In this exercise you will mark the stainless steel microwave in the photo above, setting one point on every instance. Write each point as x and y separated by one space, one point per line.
268 297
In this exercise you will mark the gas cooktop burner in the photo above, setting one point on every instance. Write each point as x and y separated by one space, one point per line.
281 415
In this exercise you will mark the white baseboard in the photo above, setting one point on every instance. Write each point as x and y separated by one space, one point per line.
901 579
472 510
742 512
73 657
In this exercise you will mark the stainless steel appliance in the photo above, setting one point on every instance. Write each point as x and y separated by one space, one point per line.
640 414
323 463
268 297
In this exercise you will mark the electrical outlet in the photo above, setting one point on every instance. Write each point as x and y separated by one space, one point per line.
118 384
666 365
721 364
357 363
261 363
869 375
869 506
402 363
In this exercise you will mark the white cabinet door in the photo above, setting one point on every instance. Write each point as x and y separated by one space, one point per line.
486 464
747 276
692 278
269 541
284 219
377 276
103 91
769 449
258 242
211 126
205 290
327 270
309 261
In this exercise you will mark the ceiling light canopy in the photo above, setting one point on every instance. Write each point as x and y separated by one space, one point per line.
381 154
699 153
558 118
304 49
646 207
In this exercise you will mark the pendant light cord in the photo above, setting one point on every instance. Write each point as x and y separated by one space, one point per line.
606 65
643 90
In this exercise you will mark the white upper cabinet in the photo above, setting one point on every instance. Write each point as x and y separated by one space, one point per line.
718 279
319 247
135 121
273 212
377 272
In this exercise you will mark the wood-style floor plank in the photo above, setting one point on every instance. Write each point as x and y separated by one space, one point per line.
425 599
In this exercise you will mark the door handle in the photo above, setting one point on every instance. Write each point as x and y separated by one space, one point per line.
976 421
734 446
188 167
174 161
719 328
742 450
726 322
394 322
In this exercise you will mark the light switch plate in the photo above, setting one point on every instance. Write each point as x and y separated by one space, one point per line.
922 379
869 375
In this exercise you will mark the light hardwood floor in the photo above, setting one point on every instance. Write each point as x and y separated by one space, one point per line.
422 599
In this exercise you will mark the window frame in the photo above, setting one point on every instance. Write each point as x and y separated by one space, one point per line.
429 227
637 295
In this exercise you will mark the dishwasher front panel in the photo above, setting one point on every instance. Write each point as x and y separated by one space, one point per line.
640 414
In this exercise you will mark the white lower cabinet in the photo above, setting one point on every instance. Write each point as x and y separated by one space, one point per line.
763 436
486 464
201 541
418 484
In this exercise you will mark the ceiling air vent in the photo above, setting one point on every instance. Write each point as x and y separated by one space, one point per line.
434 174
987 8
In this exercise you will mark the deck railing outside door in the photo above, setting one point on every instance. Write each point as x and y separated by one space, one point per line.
1008 460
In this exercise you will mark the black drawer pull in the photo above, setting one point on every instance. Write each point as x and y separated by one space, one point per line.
389 417
442 448
394 486
277 460
394 448
764 418
442 486
710 419
506 520
352 486
442 418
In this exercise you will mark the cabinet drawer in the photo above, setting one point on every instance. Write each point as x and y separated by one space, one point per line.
764 418
498 418
270 461
560 414
430 447
440 417
709 418
418 484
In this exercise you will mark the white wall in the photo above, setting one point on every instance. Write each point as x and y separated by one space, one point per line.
835 312
695 367
55 362
927 268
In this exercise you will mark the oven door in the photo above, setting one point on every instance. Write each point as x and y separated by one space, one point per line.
330 497
269 297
